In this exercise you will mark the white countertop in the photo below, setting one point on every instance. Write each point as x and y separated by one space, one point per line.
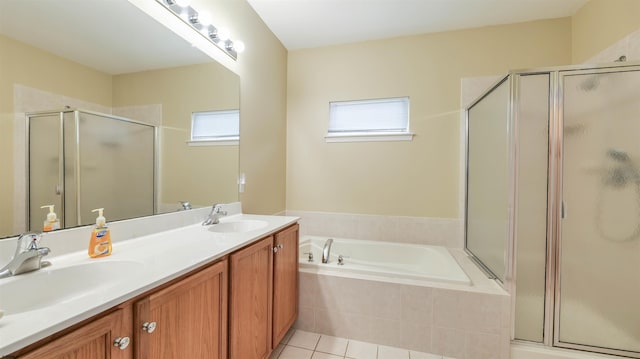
162 257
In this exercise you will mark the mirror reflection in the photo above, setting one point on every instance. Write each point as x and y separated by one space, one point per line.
115 65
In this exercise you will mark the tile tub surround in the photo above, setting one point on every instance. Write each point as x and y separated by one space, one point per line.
447 232
461 322
299 344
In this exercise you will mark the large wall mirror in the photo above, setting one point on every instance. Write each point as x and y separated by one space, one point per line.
107 58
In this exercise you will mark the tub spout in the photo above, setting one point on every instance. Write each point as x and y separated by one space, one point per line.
326 250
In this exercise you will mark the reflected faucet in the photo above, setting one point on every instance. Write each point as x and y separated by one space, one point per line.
28 256
326 251
214 215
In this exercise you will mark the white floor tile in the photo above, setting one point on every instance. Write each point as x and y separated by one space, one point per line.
318 355
385 352
332 345
287 336
420 355
361 350
276 352
290 352
302 339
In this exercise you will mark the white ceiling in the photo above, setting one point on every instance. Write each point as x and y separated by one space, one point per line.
112 36
313 23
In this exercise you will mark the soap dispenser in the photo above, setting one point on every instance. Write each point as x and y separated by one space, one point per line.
52 222
100 243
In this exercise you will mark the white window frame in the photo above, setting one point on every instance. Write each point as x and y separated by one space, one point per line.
368 135
214 140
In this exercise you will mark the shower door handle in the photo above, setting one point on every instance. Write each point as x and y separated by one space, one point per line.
563 210
58 189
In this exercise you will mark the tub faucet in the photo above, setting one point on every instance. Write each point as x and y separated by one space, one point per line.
28 256
214 215
326 251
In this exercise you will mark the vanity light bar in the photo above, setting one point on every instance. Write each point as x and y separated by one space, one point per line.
191 17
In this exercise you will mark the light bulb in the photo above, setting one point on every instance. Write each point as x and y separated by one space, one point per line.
239 46
204 18
223 34
183 3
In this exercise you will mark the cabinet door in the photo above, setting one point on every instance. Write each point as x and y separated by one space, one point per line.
285 283
92 341
185 320
250 301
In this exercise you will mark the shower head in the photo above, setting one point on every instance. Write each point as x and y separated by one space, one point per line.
618 155
590 83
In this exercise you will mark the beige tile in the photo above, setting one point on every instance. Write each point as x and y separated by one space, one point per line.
417 304
386 331
319 355
416 336
290 352
481 312
449 342
483 346
385 352
306 319
303 339
361 350
344 325
421 355
446 308
332 345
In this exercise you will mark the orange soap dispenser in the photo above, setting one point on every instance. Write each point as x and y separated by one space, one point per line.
100 243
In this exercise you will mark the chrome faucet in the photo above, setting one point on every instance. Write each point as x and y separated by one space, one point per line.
326 251
28 256
214 215
184 205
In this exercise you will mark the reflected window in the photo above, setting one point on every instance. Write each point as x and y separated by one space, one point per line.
215 127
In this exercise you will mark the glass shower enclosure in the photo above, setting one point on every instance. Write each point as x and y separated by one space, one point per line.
81 160
553 202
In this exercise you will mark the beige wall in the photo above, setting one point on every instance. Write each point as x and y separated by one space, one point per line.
417 178
29 66
601 23
200 175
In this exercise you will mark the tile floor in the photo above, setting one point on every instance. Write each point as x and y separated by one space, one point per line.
298 344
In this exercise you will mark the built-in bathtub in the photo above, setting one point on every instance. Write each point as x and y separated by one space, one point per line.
421 297
385 259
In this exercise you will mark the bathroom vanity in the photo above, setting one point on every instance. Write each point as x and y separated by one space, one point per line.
200 292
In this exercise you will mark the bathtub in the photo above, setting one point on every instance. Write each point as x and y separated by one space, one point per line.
383 259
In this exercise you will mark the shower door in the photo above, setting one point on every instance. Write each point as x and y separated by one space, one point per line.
598 278
81 160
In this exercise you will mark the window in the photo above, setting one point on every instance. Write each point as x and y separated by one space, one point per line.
215 128
369 120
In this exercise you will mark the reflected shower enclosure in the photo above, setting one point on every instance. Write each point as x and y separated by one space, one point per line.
81 160
553 202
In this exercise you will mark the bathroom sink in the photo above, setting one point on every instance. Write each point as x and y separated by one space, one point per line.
241 226
52 286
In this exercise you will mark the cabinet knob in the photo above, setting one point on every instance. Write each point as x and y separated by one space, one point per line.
122 343
149 327
277 248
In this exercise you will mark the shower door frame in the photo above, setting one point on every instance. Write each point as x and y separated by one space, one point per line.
555 208
61 166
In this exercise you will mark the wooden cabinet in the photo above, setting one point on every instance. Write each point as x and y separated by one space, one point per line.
185 320
237 308
285 283
94 340
263 299
250 301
